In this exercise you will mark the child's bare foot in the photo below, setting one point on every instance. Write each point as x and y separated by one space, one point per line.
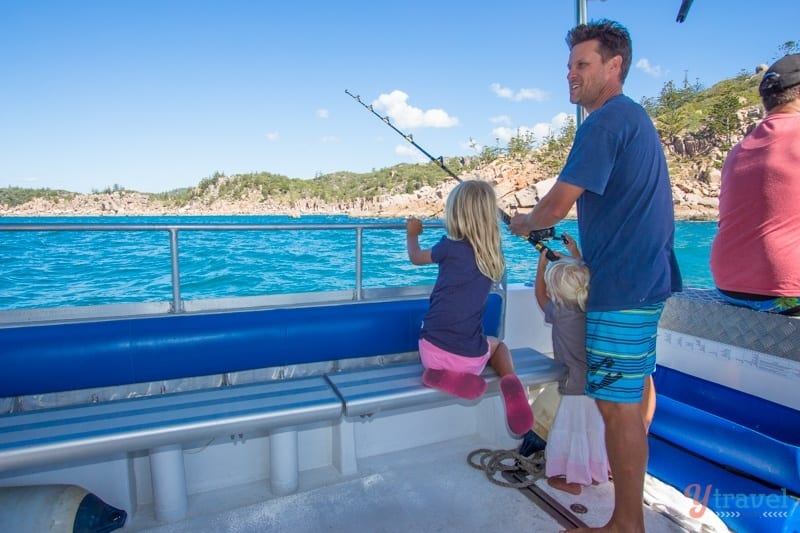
460 384
560 483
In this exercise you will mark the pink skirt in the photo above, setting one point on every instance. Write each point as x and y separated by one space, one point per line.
434 357
576 445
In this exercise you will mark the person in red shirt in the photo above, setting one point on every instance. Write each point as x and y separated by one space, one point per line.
755 256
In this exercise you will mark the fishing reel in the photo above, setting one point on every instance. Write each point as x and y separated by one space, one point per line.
545 234
537 236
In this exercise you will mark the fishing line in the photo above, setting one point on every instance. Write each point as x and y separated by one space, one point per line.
535 237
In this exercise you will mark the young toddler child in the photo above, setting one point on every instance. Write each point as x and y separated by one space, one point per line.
575 455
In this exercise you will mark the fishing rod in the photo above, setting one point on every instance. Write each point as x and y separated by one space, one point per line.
535 237
410 138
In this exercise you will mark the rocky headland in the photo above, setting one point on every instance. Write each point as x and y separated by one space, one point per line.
519 184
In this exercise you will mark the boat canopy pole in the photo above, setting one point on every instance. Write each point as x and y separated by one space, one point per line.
580 18
535 237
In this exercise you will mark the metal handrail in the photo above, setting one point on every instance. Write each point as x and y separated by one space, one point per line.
175 229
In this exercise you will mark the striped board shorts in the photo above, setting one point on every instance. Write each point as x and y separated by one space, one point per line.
621 352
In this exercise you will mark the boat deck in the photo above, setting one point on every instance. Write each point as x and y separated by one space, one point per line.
429 488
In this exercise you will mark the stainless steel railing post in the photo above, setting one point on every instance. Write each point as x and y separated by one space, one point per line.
359 266
177 304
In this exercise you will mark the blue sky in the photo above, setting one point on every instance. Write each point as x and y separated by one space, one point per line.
153 95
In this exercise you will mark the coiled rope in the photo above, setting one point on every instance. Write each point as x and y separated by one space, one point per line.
494 462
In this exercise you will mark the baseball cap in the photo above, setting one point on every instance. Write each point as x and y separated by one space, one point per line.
784 73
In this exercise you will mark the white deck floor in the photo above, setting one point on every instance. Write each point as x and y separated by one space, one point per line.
430 488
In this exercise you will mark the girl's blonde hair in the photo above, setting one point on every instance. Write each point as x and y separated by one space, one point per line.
567 283
471 215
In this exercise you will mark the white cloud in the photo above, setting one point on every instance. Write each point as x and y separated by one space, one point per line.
330 139
273 136
395 106
653 70
537 95
539 131
408 151
322 113
500 119
502 92
559 121
504 134
531 94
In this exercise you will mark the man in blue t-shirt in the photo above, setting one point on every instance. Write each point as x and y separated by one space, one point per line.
617 174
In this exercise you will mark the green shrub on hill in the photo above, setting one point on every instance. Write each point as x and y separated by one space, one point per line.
14 196
334 187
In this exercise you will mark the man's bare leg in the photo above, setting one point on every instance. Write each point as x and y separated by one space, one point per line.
648 402
626 444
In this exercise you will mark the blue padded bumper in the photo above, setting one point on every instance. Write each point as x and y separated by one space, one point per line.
731 428
38 359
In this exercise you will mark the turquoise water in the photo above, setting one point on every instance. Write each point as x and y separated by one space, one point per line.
46 269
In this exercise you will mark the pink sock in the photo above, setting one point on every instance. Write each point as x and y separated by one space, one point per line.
518 412
460 384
